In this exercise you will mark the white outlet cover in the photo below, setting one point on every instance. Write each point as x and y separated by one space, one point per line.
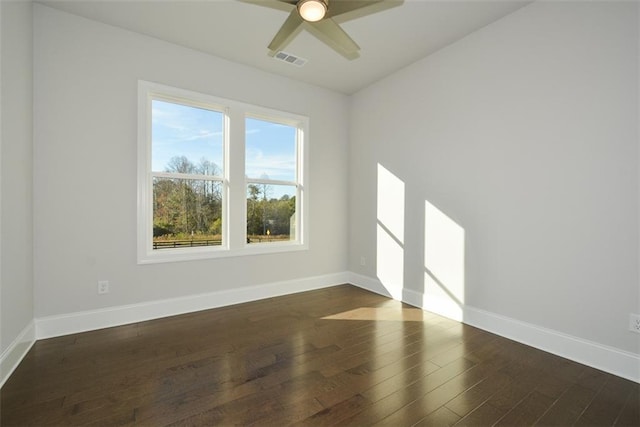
103 286
634 323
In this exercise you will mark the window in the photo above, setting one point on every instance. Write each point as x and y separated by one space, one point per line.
217 177
187 174
272 184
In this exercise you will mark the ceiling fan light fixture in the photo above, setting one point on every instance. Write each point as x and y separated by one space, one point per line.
312 10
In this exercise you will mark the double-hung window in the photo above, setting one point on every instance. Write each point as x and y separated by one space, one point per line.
217 177
271 159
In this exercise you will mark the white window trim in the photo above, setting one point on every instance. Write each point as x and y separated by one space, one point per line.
234 214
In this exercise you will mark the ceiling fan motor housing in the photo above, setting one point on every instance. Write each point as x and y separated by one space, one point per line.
312 10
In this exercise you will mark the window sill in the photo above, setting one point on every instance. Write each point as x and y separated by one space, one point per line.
195 254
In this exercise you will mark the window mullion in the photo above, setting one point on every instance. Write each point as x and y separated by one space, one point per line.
236 179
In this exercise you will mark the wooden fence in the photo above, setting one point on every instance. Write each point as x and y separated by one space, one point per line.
170 244
187 243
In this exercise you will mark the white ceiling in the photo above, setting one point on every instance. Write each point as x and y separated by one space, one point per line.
240 32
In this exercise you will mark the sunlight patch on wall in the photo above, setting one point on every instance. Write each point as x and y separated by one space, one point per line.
444 246
390 263
391 203
390 232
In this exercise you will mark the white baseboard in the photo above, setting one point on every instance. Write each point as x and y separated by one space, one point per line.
54 326
13 355
609 359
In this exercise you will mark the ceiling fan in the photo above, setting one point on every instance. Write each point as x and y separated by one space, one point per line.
318 17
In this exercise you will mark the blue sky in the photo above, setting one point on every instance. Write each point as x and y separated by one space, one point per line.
198 133
271 150
179 130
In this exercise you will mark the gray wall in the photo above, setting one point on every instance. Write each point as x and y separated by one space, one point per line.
16 212
524 135
85 130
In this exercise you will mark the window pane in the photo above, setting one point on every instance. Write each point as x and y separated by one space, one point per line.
270 150
186 139
186 213
271 213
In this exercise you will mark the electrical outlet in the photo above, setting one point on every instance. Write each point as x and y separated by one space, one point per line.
634 322
363 261
103 286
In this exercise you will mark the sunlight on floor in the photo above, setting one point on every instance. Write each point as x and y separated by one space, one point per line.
382 313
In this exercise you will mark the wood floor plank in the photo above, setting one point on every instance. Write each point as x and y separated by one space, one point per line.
475 396
630 413
484 415
402 396
334 415
430 398
334 356
528 411
568 408
606 406
439 418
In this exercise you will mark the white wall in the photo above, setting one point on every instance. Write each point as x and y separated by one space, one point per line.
525 135
85 86
16 241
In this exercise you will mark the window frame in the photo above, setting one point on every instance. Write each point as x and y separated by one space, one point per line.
234 180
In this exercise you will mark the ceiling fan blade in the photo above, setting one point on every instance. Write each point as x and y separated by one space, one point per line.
333 35
287 32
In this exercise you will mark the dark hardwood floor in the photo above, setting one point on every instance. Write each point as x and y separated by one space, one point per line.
337 356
